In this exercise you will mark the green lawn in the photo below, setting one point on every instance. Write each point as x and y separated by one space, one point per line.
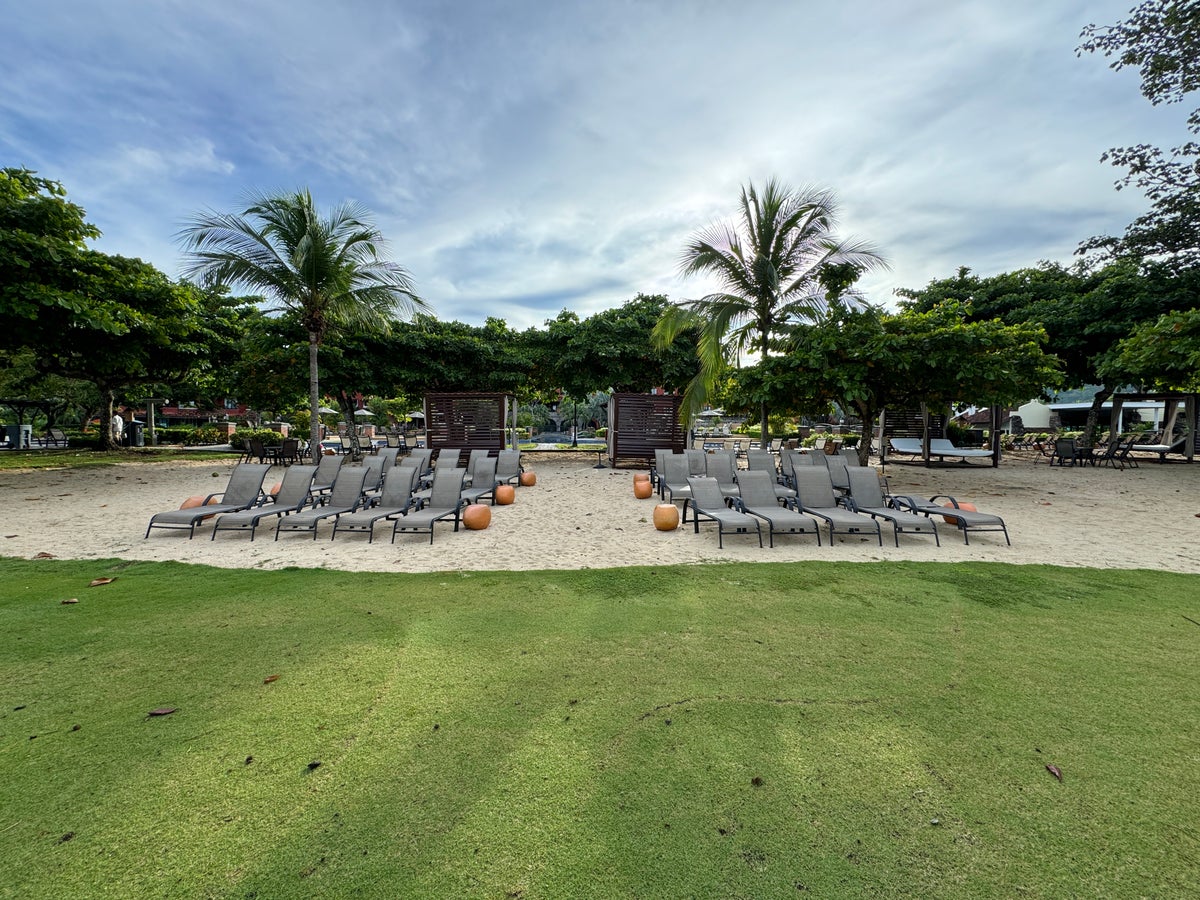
71 458
756 731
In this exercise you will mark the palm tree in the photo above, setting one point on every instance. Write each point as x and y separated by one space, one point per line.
775 266
325 270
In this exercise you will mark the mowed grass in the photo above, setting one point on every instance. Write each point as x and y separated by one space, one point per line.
87 459
756 731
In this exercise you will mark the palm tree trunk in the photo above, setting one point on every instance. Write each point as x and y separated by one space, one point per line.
314 396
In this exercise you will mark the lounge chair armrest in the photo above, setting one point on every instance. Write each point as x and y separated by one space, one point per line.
953 502
899 501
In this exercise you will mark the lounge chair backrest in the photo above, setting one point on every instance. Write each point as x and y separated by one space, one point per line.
864 487
706 493
813 487
508 464
658 460
675 469
836 465
398 486
447 488
345 441
484 475
776 445
757 489
294 491
850 455
817 458
475 456
245 484
720 466
447 458
374 473
348 489
760 461
786 463
421 457
696 463
328 468
389 456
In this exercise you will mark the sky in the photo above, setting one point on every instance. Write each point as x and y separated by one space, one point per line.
522 158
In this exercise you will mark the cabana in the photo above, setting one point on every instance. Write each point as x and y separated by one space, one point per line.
1179 414
923 434
639 424
466 421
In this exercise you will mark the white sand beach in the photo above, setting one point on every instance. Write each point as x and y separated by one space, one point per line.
580 517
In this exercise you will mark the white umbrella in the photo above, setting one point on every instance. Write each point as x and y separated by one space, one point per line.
326 411
363 412
710 414
416 414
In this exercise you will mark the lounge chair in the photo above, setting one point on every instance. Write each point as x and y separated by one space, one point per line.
866 497
447 458
939 447
53 437
838 474
814 495
673 482
508 467
656 468
474 458
346 497
708 502
422 457
375 467
294 494
243 491
327 472
764 461
696 461
722 466
483 481
966 520
445 501
396 500
758 498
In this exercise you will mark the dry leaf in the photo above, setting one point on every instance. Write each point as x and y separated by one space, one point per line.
44 555
1054 770
12 535
270 678
98 581
161 711
70 600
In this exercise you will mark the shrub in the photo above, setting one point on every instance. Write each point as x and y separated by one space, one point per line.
239 440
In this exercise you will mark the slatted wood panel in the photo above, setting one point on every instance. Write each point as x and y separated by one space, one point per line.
906 423
639 424
467 421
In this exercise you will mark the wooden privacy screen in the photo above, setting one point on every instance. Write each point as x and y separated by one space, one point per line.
908 423
639 424
466 421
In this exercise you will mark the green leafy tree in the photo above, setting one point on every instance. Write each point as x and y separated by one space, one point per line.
867 360
1085 312
1161 355
776 266
1161 39
325 269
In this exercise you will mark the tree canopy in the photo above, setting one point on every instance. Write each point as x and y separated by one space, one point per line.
1161 39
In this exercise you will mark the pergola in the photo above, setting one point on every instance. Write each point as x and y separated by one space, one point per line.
1175 405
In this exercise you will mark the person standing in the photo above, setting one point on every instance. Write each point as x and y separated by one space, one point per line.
117 426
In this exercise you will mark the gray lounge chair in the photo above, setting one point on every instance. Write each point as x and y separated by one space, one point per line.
722 465
445 501
708 502
673 483
327 472
508 467
836 465
764 461
243 491
447 458
814 495
966 520
294 494
696 462
472 460
346 497
483 481
758 498
395 501
422 457
866 497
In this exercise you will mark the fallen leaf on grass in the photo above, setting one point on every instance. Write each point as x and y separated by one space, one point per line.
98 581
162 711
44 555
270 678
1054 770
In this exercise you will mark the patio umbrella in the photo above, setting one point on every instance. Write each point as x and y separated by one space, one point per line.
326 411
416 414
363 412
710 414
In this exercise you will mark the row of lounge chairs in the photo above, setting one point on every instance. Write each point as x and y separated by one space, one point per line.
802 496
413 494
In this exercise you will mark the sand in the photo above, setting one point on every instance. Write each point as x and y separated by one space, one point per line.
580 517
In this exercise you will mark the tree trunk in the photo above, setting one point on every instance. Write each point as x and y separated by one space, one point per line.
1093 419
314 397
867 413
351 425
108 442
